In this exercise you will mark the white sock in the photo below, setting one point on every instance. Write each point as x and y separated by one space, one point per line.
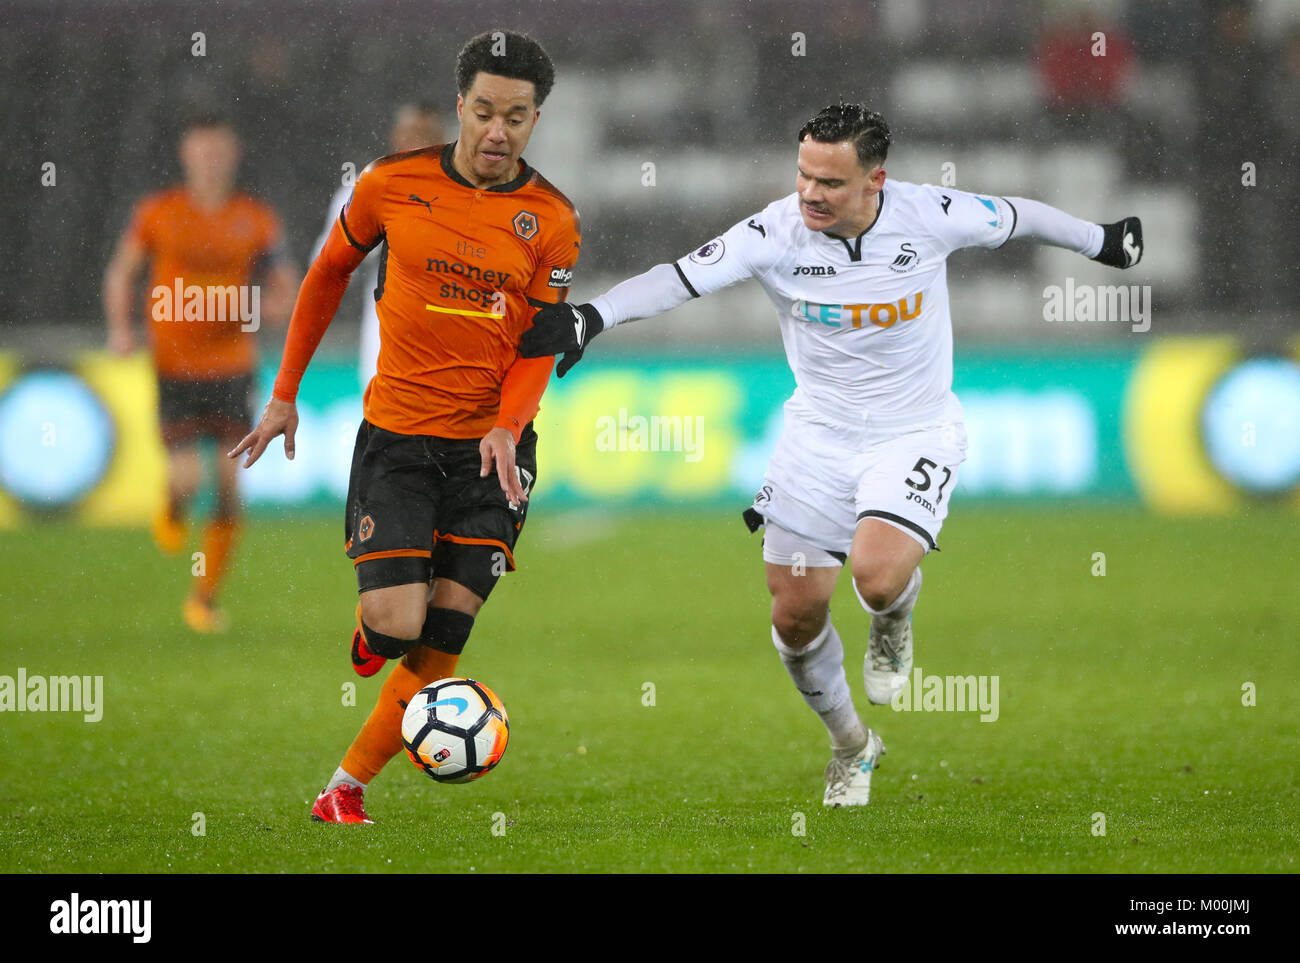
901 607
341 778
818 673
848 734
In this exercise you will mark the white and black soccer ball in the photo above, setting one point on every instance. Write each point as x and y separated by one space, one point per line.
455 730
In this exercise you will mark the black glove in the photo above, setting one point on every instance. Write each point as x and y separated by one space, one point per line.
1121 247
562 327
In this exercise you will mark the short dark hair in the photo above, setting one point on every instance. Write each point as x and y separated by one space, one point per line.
839 122
204 117
201 119
421 106
505 54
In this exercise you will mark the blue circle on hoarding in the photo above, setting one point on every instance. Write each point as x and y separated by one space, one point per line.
1250 424
56 438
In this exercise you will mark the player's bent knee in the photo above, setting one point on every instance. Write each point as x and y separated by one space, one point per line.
398 621
877 586
798 626
446 630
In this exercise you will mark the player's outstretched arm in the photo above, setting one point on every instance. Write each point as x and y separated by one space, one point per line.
318 300
744 251
961 219
1117 245
568 328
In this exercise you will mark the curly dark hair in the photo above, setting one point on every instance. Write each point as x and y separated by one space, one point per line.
866 128
505 54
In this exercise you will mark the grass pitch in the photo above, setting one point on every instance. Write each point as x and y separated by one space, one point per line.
1119 695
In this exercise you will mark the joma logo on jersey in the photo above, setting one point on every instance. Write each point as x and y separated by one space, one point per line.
884 315
814 270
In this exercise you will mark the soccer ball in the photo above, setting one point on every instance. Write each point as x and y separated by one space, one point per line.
455 730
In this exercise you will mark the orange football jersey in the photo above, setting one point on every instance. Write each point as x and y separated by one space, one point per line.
462 272
193 250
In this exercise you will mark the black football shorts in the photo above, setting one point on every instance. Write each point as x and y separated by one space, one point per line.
417 510
218 408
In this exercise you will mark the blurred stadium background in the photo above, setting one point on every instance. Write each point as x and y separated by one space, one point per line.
1125 695
1191 120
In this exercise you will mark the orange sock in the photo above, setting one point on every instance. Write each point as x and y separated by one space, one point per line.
218 538
381 737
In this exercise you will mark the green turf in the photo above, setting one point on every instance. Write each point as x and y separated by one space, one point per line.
1119 695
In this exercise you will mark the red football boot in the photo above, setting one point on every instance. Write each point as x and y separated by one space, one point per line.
365 662
342 804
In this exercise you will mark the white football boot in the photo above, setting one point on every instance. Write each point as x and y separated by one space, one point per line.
848 776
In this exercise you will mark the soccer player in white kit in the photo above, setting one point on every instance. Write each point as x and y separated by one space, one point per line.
866 465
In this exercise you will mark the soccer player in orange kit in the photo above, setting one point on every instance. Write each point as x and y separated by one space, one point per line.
207 242
474 241
414 125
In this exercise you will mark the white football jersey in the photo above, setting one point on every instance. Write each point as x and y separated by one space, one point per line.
864 320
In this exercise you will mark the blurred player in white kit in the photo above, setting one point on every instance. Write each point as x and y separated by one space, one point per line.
866 465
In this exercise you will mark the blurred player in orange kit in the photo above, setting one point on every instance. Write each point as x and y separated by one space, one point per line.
474 242
207 244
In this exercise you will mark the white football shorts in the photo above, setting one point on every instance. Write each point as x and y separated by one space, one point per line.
824 477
